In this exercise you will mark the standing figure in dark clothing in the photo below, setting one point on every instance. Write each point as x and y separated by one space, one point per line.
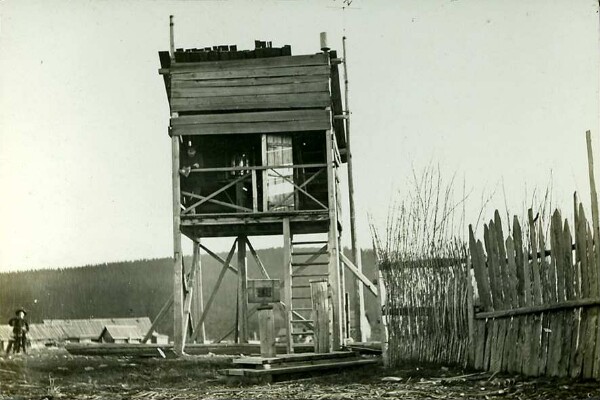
20 330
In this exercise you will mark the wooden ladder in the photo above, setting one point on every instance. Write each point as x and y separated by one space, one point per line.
309 262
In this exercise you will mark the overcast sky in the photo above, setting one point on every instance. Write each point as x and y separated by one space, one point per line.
494 91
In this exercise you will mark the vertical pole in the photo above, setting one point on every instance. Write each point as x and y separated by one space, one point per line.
287 282
266 330
198 292
470 361
242 290
593 193
359 319
254 192
384 320
172 39
334 260
178 329
320 315
264 173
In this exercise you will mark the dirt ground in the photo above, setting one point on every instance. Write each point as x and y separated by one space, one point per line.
54 374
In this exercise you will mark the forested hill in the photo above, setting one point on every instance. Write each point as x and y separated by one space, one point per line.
131 289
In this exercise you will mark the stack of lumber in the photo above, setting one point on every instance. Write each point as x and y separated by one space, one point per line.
287 366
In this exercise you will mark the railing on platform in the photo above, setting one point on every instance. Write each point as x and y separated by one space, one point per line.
257 176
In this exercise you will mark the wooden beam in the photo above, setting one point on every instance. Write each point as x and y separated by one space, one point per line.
257 81
221 203
257 167
287 88
248 72
247 128
301 189
258 102
257 259
253 63
287 282
334 261
564 305
218 258
158 318
241 117
214 292
215 193
320 315
242 289
360 322
198 305
178 331
359 275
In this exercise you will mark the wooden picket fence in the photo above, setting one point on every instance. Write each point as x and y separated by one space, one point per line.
539 296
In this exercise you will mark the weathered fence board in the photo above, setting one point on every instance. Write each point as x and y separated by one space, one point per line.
540 306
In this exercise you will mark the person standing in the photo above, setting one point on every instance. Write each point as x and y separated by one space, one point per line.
20 330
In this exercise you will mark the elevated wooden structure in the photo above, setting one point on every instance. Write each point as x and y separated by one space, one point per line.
258 137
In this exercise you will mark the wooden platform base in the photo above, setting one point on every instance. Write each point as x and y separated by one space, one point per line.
290 366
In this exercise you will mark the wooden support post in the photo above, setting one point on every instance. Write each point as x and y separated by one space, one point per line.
242 290
254 192
334 262
264 173
321 316
469 362
198 299
266 330
359 320
178 328
287 282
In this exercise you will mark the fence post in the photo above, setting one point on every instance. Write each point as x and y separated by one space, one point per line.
470 316
320 315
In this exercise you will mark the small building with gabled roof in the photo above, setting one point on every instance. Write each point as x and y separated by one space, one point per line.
120 334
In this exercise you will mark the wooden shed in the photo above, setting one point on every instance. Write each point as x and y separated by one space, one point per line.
120 334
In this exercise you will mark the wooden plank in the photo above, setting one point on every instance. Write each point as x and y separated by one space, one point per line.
290 358
287 282
217 91
575 366
359 274
492 267
480 271
334 250
320 315
249 127
262 116
515 352
266 329
218 258
222 83
570 317
260 264
252 73
253 63
315 366
252 102
587 315
547 298
532 365
556 275
242 295
178 332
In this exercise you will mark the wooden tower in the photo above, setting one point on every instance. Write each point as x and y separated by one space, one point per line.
258 137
